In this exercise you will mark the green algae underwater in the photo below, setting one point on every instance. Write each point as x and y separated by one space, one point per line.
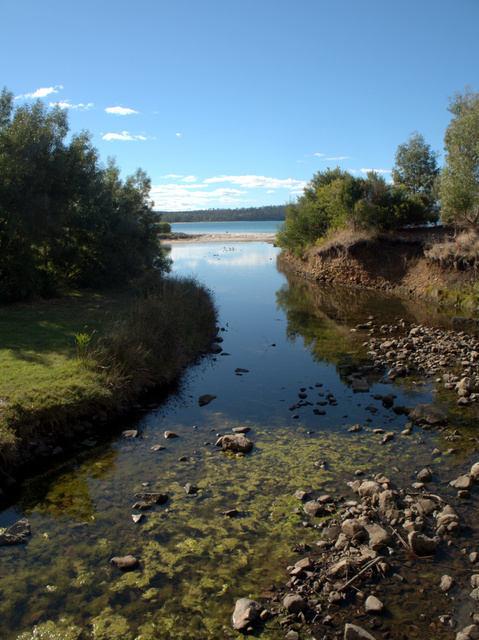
194 560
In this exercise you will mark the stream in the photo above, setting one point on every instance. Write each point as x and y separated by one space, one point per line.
281 337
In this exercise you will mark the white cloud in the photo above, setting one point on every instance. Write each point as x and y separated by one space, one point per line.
340 158
120 111
253 182
320 154
65 104
178 135
42 93
188 178
184 197
376 170
124 135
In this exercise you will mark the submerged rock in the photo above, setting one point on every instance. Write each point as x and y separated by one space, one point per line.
353 632
206 399
125 563
433 414
15 534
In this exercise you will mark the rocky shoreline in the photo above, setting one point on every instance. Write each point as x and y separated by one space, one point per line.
368 538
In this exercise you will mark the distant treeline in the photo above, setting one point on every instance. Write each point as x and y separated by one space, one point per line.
277 212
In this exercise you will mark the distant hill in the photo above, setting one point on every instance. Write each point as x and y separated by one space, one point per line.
277 212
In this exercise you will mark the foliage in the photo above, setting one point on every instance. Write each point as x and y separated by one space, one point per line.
459 185
66 220
273 212
334 199
416 169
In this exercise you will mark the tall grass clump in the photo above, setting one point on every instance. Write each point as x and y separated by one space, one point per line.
172 320
460 253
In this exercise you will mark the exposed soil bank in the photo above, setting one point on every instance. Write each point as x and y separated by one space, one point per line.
394 263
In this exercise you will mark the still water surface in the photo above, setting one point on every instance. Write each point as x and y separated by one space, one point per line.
195 562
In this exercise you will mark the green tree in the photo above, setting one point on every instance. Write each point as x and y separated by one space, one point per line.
459 184
416 168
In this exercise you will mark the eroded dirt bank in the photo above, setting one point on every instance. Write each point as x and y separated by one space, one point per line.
398 262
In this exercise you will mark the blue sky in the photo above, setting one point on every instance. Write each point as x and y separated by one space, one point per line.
238 103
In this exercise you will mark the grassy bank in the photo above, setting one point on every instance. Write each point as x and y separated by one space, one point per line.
65 359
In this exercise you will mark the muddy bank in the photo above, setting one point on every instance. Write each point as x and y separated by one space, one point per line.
395 263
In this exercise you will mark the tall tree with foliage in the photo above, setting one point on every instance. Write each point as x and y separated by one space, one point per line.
416 168
459 184
65 219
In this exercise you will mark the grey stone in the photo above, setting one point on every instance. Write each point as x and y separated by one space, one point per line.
447 583
207 398
433 414
421 544
313 508
237 443
373 605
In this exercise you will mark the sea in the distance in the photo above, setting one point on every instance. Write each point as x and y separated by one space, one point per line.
243 226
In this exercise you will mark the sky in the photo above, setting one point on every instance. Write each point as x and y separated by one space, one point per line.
231 104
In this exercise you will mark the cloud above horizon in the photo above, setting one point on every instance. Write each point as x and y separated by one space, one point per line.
124 135
254 182
188 197
41 93
65 104
120 111
376 170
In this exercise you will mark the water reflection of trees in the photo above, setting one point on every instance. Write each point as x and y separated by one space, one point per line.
323 316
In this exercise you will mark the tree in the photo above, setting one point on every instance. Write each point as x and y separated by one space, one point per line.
66 220
416 170
459 184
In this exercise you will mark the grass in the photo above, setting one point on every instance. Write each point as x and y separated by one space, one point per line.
63 359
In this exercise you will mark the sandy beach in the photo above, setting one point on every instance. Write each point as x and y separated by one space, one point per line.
221 237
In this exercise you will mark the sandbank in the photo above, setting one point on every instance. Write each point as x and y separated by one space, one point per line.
220 237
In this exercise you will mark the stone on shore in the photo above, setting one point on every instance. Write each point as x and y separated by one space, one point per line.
245 612
237 443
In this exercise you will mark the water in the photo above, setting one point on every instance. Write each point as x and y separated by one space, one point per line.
195 562
252 226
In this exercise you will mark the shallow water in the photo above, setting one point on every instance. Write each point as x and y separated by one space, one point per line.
194 561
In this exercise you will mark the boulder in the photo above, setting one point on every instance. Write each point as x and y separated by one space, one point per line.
237 443
433 414
207 398
314 508
245 612
378 537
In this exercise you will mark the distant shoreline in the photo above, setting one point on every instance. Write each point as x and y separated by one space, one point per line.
218 237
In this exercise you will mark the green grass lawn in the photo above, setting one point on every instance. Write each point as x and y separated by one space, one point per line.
39 365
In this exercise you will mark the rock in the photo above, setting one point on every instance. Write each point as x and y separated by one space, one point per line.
190 488
125 563
206 399
301 495
20 528
378 537
425 475
353 632
373 605
292 635
352 528
294 603
463 482
469 633
137 517
475 471
169 435
433 414
243 430
237 443
360 385
130 433
245 612
355 428
465 387
141 505
158 447
313 508
447 583
369 488
421 544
